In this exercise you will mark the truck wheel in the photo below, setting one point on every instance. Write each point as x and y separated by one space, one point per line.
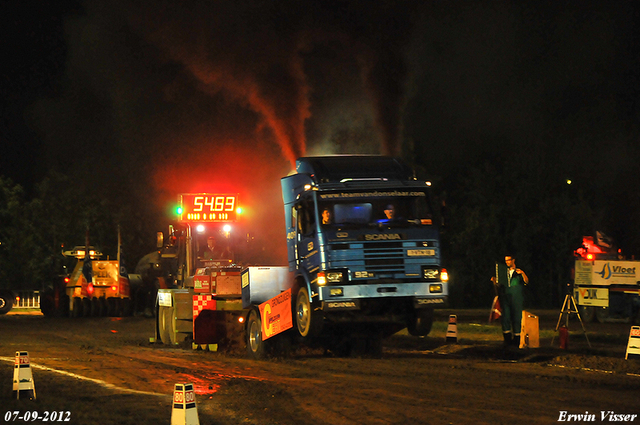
308 321
104 307
95 307
587 313
77 307
86 307
421 322
255 345
7 300
112 307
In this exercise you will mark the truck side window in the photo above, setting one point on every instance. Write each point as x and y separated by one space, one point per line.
300 219
306 218
294 217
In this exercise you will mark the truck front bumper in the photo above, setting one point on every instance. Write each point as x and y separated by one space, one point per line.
349 297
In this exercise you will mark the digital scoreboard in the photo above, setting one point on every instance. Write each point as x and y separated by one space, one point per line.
208 207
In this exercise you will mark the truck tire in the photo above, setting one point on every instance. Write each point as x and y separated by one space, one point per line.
255 345
112 307
95 307
308 321
77 307
421 322
104 307
7 299
86 307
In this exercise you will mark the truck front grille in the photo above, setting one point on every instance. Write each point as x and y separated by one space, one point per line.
378 257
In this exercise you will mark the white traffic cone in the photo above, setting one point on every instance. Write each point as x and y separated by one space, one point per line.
185 411
23 386
633 346
452 329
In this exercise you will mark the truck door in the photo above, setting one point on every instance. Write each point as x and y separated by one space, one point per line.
307 235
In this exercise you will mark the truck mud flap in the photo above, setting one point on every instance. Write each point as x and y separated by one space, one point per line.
209 327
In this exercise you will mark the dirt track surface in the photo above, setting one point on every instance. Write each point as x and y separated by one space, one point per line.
417 381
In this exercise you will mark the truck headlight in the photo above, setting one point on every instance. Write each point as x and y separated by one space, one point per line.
331 277
334 277
430 273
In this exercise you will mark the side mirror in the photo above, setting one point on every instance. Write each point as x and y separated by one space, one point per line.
159 239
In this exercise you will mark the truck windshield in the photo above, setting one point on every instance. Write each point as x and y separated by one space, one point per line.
401 210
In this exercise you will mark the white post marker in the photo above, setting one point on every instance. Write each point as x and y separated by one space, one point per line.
23 386
185 411
633 347
452 329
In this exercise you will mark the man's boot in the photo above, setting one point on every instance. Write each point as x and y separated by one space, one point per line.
516 341
508 338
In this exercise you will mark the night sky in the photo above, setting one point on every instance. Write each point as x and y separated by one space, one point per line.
162 97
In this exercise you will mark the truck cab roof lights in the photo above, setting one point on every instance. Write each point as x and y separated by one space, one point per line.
427 183
375 179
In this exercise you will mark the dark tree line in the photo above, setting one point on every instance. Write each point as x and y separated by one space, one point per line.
35 231
497 209
493 207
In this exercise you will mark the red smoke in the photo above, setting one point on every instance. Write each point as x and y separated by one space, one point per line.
236 49
285 119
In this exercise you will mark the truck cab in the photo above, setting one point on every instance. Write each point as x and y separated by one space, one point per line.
363 244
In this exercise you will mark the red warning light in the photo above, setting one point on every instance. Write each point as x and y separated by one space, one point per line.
90 289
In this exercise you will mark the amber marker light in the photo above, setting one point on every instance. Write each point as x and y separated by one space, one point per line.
444 275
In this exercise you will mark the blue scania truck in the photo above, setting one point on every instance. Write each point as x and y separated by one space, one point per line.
363 248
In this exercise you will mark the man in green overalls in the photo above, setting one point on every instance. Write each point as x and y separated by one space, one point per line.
510 282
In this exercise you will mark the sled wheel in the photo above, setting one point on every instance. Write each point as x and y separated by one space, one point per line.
165 319
255 344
